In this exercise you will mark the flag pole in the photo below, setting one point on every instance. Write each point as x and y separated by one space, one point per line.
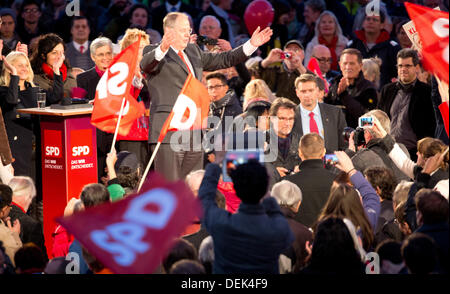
148 167
118 125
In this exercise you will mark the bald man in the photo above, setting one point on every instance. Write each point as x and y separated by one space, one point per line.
323 56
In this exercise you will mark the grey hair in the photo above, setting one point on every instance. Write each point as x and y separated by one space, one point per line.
100 42
210 16
206 251
287 193
336 22
22 186
401 192
194 175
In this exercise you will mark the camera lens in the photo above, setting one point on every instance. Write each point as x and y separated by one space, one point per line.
347 132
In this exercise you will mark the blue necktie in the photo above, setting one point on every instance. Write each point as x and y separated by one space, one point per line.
173 9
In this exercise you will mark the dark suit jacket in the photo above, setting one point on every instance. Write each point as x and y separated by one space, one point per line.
315 182
30 229
420 111
333 121
166 78
88 80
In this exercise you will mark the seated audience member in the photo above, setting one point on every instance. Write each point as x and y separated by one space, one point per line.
323 56
187 267
91 195
102 54
8 31
238 247
328 33
371 70
391 261
280 79
52 73
30 229
289 197
333 251
371 147
282 114
313 179
78 52
29 23
18 91
373 40
206 254
30 260
181 249
313 117
419 254
408 103
9 231
351 90
345 202
384 183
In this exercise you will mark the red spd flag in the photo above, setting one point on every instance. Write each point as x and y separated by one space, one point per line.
133 235
313 66
190 109
433 29
112 88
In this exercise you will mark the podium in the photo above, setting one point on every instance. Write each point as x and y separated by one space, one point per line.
68 158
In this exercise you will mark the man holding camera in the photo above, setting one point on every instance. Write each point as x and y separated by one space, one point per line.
281 78
365 147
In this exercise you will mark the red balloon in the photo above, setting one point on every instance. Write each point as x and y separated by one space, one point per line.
258 13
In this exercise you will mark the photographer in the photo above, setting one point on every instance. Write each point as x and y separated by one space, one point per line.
366 149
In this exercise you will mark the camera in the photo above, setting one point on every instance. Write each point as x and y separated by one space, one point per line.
203 40
358 137
233 158
284 55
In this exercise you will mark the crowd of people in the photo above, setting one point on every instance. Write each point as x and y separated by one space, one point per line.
333 191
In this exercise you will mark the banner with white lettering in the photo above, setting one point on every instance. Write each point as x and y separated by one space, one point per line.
132 236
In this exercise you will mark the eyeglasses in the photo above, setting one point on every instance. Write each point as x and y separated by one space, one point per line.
407 66
324 59
214 87
30 10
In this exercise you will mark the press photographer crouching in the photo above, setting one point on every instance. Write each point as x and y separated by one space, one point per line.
365 148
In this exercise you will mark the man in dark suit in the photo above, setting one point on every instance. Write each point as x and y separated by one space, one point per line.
167 66
101 53
161 11
30 229
310 116
313 179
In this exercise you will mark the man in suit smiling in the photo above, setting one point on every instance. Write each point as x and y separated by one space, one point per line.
313 117
167 66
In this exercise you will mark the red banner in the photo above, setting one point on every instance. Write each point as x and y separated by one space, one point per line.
190 109
115 85
132 236
433 29
313 66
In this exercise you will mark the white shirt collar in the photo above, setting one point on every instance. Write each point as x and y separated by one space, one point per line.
77 46
306 112
169 7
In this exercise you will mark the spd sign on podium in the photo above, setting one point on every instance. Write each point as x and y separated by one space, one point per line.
69 160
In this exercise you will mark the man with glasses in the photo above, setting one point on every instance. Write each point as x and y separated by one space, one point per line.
167 66
408 103
373 40
351 90
323 56
281 78
30 26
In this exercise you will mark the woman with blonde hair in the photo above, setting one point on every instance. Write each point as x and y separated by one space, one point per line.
371 70
136 141
328 32
257 89
17 91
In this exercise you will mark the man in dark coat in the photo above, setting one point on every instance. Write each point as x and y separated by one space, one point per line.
408 104
166 66
351 90
313 179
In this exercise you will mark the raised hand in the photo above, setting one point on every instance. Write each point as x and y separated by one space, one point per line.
169 38
378 128
22 48
274 56
193 39
1 46
345 164
11 69
261 37
343 84
224 45
57 65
